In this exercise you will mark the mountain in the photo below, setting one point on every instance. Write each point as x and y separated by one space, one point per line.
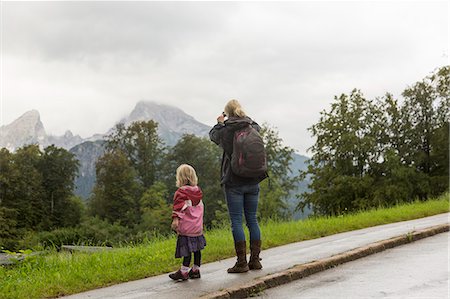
67 141
87 154
172 122
300 163
27 129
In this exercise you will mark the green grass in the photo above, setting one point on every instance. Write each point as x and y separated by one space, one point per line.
57 274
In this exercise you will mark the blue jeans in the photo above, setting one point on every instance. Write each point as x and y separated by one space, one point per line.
243 198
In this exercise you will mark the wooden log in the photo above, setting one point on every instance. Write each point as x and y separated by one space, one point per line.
72 248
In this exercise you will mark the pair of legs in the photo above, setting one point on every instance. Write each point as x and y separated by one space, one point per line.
243 198
197 259
184 273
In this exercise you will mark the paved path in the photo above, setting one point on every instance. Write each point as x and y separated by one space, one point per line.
416 270
214 276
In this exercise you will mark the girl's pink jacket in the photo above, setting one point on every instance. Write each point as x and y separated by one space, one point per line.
188 207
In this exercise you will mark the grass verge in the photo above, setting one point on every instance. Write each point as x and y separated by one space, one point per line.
56 274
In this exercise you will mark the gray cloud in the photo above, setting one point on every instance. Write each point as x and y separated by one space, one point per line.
80 31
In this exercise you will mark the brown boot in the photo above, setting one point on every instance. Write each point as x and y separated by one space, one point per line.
255 249
241 264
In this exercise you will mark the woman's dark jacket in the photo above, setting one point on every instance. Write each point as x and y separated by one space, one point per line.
223 135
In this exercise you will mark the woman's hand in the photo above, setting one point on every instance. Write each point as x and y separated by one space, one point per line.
174 225
221 118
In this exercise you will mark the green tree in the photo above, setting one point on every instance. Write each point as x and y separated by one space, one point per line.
205 157
35 188
393 176
426 117
9 205
275 190
8 176
58 168
116 191
74 211
130 165
345 147
156 212
396 182
9 233
27 189
142 146
372 153
439 159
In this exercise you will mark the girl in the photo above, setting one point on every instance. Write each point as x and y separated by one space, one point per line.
187 221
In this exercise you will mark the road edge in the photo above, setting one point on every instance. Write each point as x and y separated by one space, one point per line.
296 272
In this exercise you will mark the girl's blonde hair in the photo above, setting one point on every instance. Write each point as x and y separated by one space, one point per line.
233 108
186 175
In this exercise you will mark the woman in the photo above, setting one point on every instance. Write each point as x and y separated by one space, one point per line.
241 193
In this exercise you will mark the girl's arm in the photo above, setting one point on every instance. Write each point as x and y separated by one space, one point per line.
174 225
178 204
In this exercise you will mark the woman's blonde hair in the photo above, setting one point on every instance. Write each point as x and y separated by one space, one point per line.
186 175
233 108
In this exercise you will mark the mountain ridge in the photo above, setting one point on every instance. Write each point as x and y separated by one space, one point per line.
172 121
26 129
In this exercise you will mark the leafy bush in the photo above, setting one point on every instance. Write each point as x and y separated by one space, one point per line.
58 237
95 231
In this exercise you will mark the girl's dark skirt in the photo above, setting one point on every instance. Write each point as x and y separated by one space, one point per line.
186 245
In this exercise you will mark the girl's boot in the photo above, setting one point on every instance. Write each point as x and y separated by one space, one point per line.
181 274
194 272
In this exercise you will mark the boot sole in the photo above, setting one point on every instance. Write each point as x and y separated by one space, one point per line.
180 279
238 271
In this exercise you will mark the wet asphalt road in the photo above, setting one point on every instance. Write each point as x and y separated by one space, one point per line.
416 270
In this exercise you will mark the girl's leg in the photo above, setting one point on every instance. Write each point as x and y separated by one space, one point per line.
187 260
195 271
197 258
183 273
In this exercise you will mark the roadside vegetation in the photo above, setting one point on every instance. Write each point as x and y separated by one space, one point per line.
58 273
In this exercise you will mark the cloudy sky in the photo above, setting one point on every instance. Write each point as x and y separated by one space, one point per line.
84 65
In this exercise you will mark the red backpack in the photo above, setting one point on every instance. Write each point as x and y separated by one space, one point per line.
249 155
